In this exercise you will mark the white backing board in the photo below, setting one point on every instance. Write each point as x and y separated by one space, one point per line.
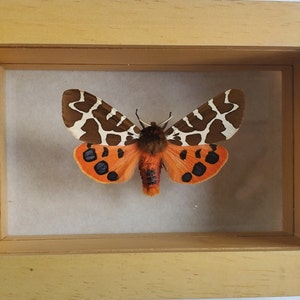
48 194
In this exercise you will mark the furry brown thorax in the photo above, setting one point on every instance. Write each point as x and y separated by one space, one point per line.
152 139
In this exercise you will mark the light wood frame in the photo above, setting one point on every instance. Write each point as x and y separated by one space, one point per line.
190 265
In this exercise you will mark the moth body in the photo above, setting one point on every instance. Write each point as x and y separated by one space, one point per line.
152 142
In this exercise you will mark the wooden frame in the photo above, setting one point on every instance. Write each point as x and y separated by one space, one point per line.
159 265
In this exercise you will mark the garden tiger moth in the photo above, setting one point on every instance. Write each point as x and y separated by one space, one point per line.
113 146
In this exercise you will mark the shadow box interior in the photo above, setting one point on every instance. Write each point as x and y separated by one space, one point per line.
49 205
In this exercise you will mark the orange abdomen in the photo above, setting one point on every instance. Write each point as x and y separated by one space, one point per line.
150 168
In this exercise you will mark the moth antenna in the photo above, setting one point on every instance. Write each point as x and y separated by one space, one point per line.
143 123
165 123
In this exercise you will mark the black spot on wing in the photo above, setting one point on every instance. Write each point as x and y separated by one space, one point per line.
105 152
101 167
198 153
199 169
213 147
89 155
183 154
212 157
112 176
187 177
120 153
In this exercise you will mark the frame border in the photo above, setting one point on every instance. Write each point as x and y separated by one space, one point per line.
41 35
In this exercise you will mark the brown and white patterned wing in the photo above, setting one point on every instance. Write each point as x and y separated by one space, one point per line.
93 121
216 120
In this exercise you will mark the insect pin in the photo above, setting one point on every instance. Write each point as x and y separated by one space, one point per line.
113 146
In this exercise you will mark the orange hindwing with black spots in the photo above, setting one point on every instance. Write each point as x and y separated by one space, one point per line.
113 146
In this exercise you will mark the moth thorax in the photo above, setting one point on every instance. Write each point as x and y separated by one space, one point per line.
152 139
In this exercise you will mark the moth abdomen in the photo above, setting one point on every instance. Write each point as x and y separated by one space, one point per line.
150 169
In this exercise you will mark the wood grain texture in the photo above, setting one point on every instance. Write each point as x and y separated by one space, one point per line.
179 22
151 58
150 276
141 243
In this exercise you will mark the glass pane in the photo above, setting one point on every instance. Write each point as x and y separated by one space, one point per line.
47 193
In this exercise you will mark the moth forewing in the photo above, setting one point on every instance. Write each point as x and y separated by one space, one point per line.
216 120
92 120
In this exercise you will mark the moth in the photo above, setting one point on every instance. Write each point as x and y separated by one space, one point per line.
114 146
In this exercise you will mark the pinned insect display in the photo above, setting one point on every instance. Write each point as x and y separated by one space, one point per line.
113 146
